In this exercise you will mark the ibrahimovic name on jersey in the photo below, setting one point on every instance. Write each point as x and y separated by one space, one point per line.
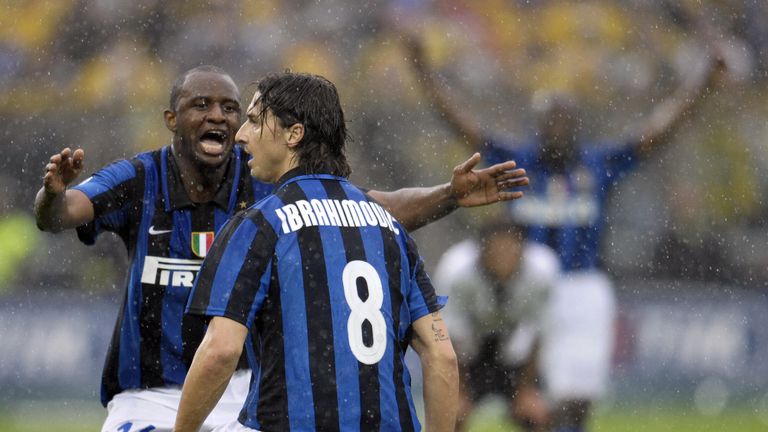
332 212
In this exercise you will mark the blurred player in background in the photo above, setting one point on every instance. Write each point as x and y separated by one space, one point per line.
572 176
499 287
167 206
326 306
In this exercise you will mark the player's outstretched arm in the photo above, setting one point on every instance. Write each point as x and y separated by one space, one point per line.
212 367
463 126
668 114
440 371
56 207
469 187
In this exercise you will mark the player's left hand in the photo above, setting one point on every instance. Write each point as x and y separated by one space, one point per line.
475 187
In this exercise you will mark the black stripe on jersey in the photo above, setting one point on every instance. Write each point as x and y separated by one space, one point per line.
370 404
272 407
151 313
416 266
152 299
203 217
320 335
393 259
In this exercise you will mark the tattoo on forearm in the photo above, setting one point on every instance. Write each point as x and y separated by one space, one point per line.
438 332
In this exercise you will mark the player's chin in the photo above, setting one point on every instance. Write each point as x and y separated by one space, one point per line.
212 160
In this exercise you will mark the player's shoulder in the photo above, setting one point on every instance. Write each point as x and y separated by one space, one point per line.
119 171
263 207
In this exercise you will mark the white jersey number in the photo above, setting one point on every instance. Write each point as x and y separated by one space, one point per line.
362 311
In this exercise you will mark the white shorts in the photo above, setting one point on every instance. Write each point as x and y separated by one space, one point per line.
155 409
578 337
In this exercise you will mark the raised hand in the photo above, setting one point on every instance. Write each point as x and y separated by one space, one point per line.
471 187
415 51
62 169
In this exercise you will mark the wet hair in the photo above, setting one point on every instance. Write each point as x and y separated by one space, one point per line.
314 102
181 79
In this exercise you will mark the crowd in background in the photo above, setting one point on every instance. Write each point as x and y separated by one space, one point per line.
96 74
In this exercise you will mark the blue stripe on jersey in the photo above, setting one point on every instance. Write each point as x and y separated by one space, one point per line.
226 275
248 413
164 177
220 217
129 373
233 192
114 174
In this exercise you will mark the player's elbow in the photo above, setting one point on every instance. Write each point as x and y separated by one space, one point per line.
442 358
226 353
218 360
216 352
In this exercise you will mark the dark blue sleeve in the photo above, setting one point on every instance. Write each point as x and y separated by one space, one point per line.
420 293
111 191
620 159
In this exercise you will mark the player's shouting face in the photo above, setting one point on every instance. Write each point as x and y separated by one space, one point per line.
205 119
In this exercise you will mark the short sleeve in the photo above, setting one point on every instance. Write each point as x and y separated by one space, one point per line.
421 296
235 275
111 190
620 159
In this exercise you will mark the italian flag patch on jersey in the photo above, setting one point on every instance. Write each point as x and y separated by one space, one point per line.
201 242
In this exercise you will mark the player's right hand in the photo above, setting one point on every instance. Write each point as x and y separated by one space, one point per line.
62 169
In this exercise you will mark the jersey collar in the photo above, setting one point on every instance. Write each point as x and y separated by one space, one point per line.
298 172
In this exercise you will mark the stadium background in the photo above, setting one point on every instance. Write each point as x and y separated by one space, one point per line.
687 232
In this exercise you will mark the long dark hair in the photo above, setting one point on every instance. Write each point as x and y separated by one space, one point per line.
314 102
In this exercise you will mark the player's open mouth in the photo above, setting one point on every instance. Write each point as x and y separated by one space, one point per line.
212 142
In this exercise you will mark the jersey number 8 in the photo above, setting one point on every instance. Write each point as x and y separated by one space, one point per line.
362 311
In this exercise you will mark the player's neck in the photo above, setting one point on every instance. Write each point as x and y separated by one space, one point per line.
201 182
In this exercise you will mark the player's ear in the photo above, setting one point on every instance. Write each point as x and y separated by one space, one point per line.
170 120
294 135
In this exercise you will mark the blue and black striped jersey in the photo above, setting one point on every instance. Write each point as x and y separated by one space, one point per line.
167 236
328 283
566 210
